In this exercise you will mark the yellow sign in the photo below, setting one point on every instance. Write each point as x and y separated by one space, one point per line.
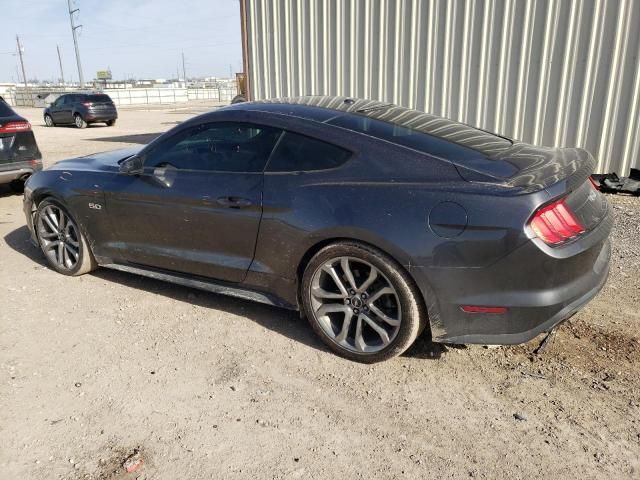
104 75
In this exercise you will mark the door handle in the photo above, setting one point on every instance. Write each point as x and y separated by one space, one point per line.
234 202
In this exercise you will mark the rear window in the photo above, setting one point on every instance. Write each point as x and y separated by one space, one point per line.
421 131
297 153
5 109
98 98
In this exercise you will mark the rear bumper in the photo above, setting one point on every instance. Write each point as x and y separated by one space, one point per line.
100 116
547 318
539 292
17 171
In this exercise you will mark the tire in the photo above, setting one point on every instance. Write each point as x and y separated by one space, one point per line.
48 120
378 326
238 99
110 123
79 121
62 259
17 186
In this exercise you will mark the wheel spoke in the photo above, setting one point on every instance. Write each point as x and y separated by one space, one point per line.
332 308
380 292
73 252
348 318
48 234
360 343
61 253
65 256
322 293
61 222
52 224
336 279
379 330
344 263
52 245
373 274
380 314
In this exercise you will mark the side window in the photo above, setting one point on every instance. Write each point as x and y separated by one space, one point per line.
216 147
297 153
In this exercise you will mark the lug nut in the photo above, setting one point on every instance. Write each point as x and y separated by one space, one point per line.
353 292
356 311
366 309
347 301
364 295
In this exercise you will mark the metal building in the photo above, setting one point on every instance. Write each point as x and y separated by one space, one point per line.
551 72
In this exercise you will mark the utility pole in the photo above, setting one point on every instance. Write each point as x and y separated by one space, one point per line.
184 72
60 61
24 75
74 27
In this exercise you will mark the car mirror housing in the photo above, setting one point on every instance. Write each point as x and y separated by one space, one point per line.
132 165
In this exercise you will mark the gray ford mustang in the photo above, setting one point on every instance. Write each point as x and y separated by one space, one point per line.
376 221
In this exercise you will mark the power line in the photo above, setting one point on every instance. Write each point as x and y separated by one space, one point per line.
74 27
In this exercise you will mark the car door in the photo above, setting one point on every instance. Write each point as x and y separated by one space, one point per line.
196 209
56 108
65 109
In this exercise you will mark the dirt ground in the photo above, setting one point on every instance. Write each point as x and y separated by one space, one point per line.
201 386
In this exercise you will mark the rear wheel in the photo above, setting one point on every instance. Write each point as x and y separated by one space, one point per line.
61 240
79 121
49 121
110 123
361 302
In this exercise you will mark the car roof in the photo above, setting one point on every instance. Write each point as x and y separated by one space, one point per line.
324 109
310 107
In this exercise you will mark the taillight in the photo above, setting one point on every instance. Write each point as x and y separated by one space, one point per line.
13 127
556 223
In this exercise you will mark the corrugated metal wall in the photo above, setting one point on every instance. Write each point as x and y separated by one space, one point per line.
551 72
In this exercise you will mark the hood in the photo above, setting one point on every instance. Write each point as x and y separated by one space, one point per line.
97 162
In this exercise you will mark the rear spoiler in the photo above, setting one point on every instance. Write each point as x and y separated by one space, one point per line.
542 167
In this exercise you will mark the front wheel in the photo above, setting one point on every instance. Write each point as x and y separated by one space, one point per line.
110 123
62 242
361 302
79 121
49 121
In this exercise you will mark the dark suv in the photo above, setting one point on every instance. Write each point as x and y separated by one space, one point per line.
19 153
81 109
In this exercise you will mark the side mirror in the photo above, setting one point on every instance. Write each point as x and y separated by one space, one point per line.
132 165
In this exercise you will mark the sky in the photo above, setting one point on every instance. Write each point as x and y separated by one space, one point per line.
134 38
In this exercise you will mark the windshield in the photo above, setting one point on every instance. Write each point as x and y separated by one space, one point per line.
98 98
